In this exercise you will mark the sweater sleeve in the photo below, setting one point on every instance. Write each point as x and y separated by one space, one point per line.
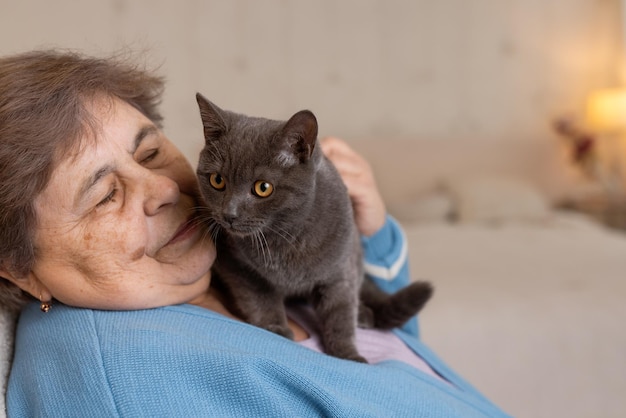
385 256
386 262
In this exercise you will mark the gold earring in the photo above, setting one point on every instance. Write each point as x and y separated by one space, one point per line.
45 306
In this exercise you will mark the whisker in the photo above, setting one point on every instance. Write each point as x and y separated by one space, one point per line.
289 239
269 253
255 241
210 227
215 232
260 247
285 232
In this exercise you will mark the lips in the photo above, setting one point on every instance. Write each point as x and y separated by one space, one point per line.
185 230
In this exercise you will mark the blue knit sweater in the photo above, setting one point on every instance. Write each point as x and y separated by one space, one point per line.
186 361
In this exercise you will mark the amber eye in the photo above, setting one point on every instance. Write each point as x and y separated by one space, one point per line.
263 188
217 181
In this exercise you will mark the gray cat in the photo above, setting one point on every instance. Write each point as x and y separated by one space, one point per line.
283 225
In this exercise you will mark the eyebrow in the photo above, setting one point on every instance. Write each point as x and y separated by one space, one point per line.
142 134
102 172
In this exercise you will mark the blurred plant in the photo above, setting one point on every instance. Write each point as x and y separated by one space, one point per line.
581 143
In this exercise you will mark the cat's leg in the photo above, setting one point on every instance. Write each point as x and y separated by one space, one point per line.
269 313
337 308
257 303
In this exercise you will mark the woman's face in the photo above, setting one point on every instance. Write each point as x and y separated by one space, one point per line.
115 222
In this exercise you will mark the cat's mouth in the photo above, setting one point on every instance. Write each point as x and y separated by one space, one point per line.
238 229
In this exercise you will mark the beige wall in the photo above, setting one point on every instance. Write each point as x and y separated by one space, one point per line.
436 69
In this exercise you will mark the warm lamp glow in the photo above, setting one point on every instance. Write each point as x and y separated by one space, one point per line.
606 110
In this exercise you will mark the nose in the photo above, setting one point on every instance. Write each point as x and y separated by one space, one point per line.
230 213
229 218
161 191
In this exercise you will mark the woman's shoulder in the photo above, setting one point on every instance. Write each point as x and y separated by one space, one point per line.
164 333
77 323
190 360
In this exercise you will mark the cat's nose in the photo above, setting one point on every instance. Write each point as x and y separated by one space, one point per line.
229 218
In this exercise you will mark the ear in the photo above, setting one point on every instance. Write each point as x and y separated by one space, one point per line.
29 284
299 135
212 118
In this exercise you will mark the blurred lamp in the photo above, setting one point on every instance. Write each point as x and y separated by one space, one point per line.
606 111
606 116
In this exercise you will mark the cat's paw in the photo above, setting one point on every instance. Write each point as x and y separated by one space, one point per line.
366 317
347 353
358 358
355 357
281 330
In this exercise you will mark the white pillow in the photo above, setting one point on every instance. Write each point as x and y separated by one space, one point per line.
497 200
7 338
434 206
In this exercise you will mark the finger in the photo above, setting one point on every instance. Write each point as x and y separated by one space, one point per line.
336 146
347 158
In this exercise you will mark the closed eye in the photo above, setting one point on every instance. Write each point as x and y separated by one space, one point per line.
151 156
108 198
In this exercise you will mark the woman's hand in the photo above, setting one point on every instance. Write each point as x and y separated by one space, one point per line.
357 175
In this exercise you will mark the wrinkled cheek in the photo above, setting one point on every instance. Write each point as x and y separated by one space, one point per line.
102 257
116 243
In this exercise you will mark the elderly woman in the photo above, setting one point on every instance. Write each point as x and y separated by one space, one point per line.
97 225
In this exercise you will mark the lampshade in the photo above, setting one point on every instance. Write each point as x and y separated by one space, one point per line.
606 110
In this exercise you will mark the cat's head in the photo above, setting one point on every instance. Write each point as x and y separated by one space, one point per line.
256 174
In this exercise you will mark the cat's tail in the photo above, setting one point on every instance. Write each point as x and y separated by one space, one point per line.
385 311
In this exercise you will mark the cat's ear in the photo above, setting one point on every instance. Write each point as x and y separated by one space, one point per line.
212 118
299 135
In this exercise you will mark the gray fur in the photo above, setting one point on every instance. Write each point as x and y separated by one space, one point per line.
300 242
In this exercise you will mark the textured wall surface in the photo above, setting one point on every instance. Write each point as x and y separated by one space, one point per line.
448 69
